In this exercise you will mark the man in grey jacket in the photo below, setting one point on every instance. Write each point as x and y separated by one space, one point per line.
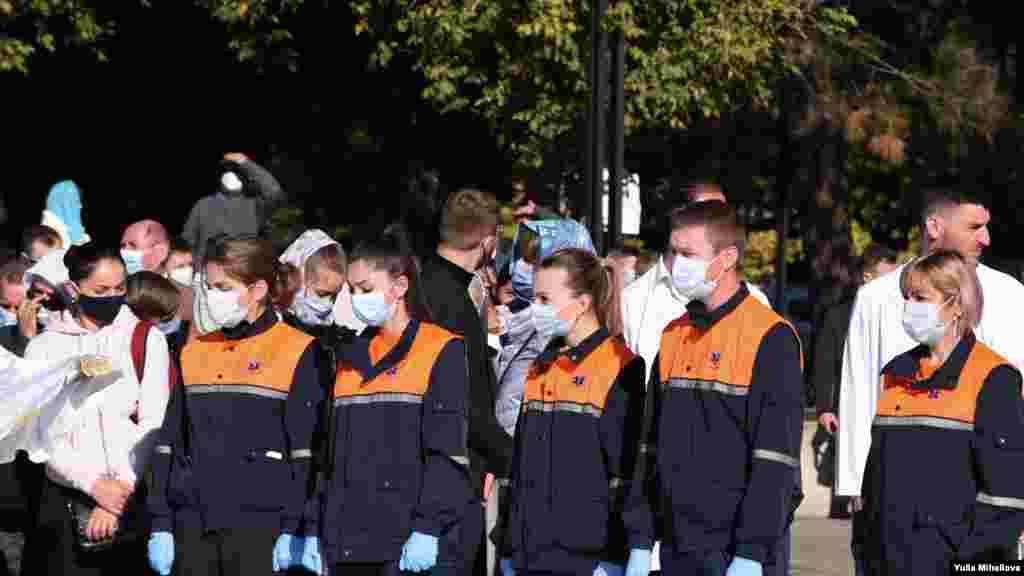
247 196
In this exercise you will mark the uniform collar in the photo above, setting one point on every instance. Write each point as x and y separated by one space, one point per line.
361 356
576 354
249 329
946 377
700 317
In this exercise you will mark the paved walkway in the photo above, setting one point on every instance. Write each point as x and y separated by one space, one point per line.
821 546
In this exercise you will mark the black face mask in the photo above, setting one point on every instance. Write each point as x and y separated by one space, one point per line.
101 309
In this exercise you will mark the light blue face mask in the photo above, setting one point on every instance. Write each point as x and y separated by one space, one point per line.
7 318
372 308
132 260
169 327
313 309
547 323
522 280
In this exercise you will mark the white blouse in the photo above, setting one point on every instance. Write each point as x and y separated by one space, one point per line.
95 436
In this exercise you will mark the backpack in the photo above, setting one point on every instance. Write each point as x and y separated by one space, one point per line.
139 336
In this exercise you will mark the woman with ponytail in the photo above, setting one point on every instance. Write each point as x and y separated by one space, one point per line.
578 432
400 466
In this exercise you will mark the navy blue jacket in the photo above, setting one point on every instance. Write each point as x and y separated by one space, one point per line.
576 443
251 394
401 460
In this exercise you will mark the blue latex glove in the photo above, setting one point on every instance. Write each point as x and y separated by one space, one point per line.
286 550
161 552
311 555
419 553
743 567
506 567
608 569
639 562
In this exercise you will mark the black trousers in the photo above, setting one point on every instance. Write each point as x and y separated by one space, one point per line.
51 546
474 550
375 569
228 552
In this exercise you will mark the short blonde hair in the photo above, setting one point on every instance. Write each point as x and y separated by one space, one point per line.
950 274
468 217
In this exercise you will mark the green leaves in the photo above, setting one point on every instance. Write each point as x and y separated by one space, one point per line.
26 28
522 65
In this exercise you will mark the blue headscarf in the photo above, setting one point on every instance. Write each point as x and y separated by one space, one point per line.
65 202
554 235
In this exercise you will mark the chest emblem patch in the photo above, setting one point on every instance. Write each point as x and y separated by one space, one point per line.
578 380
716 359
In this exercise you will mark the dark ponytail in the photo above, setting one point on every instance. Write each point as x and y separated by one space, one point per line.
391 253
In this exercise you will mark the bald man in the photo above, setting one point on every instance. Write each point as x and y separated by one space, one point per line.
145 245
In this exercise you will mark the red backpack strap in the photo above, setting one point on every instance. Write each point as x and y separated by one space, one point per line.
139 336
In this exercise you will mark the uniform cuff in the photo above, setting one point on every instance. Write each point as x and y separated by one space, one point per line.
640 542
754 552
290 524
161 524
425 526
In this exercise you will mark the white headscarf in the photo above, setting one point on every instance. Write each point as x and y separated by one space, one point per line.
308 243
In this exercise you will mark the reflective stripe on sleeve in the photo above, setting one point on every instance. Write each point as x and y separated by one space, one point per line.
163 449
1001 501
779 457
302 453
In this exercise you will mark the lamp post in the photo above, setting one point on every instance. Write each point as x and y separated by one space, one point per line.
596 126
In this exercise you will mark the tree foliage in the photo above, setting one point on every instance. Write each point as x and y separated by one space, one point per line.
522 66
260 32
28 27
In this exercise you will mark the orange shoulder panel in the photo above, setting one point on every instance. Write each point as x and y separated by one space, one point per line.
725 353
411 375
899 400
267 360
587 383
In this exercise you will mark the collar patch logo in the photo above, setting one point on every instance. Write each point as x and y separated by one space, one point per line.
716 359
253 366
578 380
933 394
392 372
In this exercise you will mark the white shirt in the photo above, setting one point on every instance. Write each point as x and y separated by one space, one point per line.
98 431
876 336
649 303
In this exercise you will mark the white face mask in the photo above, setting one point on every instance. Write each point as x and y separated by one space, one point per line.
183 275
224 307
922 323
689 275
231 182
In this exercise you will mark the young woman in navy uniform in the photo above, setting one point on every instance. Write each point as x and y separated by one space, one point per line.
400 479
251 391
943 478
579 429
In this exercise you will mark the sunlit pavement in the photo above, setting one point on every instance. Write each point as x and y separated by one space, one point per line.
821 546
